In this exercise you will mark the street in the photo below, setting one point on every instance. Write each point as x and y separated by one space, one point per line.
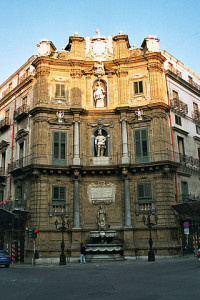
177 278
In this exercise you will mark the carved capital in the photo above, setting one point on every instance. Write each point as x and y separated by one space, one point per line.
42 71
76 73
155 67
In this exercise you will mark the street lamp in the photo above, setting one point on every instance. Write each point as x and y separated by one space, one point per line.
149 224
62 245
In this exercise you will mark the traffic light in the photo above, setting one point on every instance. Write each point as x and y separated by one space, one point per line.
35 232
31 233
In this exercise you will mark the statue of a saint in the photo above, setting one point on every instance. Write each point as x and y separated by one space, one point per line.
100 143
101 217
99 95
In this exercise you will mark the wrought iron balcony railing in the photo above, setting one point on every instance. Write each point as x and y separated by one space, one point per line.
164 156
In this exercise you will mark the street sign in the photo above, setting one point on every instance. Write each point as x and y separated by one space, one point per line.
186 224
186 231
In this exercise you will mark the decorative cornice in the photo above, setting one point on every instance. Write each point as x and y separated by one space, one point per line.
4 145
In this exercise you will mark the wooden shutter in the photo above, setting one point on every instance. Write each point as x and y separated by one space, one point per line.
59 148
141 145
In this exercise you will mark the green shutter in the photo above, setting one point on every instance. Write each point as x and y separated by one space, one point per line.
141 145
59 151
144 191
59 193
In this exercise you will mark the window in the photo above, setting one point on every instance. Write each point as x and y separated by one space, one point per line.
144 192
178 120
141 145
59 147
18 193
190 79
196 111
184 191
198 129
138 87
3 161
1 196
60 91
59 193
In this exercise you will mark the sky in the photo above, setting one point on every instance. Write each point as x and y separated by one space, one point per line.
24 22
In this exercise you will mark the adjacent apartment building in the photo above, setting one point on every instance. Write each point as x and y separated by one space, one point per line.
99 135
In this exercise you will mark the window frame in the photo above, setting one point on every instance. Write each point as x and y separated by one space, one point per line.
138 90
145 198
178 120
141 158
59 94
59 199
59 160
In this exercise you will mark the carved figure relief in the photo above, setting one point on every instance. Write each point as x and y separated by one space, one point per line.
101 218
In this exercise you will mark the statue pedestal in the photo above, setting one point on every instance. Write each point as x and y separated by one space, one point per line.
100 103
100 161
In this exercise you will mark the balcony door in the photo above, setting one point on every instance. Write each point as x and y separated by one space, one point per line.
141 145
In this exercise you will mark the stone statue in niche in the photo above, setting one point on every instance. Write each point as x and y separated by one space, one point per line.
100 143
60 116
99 94
101 218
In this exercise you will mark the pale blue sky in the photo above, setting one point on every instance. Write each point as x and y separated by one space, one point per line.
24 22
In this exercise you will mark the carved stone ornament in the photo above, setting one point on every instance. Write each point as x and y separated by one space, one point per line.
99 48
139 114
60 116
60 119
99 69
21 134
101 192
100 124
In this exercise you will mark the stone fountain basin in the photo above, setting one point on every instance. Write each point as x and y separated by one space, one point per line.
102 234
103 247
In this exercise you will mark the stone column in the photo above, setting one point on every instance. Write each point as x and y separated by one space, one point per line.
76 205
127 203
125 158
76 158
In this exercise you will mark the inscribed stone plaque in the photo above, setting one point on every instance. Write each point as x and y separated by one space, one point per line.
101 193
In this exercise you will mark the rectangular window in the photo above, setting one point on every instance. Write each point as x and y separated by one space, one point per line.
59 147
198 129
60 91
184 191
181 148
59 193
1 196
196 111
18 193
3 161
138 87
141 145
144 191
178 120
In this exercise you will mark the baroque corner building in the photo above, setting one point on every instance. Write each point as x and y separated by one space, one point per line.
85 136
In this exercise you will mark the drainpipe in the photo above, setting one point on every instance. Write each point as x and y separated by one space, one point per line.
11 158
170 120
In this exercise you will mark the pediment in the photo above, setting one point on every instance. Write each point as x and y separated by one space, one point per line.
4 145
21 134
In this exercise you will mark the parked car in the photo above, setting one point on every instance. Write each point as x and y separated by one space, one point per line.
5 258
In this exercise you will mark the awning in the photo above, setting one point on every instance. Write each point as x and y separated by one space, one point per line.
188 209
6 216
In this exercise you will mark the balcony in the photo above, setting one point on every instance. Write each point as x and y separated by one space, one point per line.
175 71
58 209
3 173
21 112
179 106
4 124
19 204
186 163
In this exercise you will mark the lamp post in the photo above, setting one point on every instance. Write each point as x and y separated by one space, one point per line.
62 245
149 224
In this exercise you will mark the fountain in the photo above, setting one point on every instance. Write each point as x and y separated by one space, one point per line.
102 246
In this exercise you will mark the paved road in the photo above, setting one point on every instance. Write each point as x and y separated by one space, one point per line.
139 280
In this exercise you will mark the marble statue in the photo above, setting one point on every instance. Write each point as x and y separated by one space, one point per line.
101 217
99 94
100 143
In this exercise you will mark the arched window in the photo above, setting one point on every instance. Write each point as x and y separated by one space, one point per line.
100 142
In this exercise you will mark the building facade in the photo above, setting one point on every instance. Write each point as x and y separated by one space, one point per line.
85 136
